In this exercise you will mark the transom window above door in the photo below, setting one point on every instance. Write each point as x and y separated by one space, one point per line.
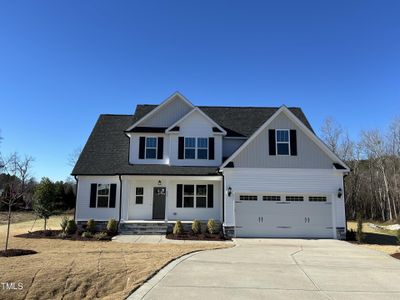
151 147
282 142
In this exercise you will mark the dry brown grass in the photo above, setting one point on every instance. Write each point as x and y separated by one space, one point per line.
381 240
16 216
76 270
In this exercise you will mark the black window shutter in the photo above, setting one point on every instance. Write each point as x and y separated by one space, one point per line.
113 194
181 146
211 148
160 148
210 195
293 142
271 142
179 195
93 192
142 142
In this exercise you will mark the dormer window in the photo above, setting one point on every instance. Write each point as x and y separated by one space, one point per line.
151 148
196 148
202 148
282 142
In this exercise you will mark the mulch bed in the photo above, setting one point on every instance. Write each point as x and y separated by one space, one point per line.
16 252
396 255
55 234
198 237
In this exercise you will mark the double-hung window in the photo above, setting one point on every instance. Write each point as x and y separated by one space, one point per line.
282 142
201 196
190 148
151 147
188 195
202 148
195 195
103 195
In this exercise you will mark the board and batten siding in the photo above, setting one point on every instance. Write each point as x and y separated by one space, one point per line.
284 180
196 125
168 114
256 155
134 149
83 211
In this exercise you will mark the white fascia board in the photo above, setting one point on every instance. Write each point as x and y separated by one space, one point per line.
166 101
174 177
196 109
304 128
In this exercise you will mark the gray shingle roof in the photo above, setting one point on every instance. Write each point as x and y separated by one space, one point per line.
107 149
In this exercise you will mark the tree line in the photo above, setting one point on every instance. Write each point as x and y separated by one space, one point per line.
372 188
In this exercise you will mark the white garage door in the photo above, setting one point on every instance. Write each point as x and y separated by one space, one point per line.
280 215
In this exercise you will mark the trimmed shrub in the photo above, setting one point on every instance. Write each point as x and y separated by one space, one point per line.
64 222
212 226
91 226
178 228
71 227
102 236
196 227
359 232
87 234
112 227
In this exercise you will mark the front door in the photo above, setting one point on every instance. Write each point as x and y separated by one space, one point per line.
159 203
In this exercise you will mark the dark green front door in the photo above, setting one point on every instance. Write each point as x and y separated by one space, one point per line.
159 203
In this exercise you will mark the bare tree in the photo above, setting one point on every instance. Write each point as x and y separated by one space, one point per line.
331 134
74 156
14 189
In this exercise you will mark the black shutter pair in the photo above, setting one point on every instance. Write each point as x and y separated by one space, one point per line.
272 142
142 147
181 148
93 193
210 198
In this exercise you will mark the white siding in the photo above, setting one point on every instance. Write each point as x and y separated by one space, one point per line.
167 115
134 149
256 154
196 125
133 211
230 145
83 211
303 181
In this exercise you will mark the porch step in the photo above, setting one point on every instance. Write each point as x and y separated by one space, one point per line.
143 228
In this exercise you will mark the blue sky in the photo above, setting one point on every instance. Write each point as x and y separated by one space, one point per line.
62 63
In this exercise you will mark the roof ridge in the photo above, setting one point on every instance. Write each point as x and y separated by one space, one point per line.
222 106
124 115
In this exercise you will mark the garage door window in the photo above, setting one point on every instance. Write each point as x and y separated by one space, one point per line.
316 199
294 198
248 198
271 198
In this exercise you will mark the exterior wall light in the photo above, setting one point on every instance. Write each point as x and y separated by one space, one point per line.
159 182
340 193
229 191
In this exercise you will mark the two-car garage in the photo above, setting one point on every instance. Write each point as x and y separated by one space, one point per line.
283 215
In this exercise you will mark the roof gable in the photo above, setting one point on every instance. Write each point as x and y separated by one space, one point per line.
165 114
300 125
203 115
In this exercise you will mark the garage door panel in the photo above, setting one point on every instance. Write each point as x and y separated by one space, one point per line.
283 219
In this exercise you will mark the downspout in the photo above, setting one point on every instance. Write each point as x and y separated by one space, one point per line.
76 197
120 197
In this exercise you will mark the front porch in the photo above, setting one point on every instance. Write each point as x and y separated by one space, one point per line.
160 200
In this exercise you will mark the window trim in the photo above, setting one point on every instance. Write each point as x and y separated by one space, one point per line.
276 142
108 196
196 147
145 147
139 195
194 196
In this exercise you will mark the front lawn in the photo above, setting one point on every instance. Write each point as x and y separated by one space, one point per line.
81 269
378 239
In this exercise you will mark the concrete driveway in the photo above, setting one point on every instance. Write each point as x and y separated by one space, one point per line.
279 269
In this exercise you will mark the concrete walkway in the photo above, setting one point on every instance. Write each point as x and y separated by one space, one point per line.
155 239
278 269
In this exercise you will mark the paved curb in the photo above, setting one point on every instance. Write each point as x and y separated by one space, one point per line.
153 281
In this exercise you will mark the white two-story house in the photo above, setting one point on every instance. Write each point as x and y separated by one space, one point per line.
260 171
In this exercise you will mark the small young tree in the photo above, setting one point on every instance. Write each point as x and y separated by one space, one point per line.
14 188
43 205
